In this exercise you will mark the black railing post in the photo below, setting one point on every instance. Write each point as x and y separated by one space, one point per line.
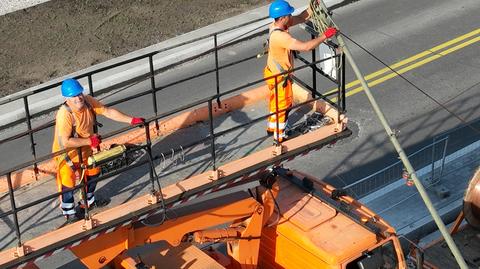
149 152
14 209
217 75
83 182
90 91
342 81
314 73
339 86
154 92
277 124
90 85
32 142
212 134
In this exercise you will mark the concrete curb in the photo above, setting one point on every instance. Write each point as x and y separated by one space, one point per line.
9 6
13 111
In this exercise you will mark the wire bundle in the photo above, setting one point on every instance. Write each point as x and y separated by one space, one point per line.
318 17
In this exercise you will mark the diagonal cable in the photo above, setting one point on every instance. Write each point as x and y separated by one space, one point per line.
415 86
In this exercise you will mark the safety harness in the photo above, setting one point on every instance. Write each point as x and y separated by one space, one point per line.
74 132
286 76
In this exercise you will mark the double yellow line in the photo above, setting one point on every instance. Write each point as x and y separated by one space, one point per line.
413 62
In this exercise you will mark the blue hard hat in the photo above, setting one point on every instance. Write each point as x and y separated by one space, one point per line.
71 87
280 8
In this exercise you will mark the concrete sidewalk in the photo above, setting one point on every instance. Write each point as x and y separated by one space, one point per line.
8 6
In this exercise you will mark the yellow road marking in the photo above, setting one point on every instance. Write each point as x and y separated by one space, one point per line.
416 57
413 66
412 59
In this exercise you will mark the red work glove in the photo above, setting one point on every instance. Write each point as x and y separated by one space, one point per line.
95 141
329 32
136 121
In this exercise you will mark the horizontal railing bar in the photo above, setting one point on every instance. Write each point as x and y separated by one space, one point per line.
320 71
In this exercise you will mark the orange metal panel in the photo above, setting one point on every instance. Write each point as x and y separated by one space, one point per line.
111 244
183 256
305 211
278 251
355 205
100 251
310 234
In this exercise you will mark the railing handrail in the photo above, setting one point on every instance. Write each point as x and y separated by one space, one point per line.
51 123
394 164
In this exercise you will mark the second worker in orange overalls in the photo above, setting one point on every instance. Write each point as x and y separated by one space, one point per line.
74 129
280 59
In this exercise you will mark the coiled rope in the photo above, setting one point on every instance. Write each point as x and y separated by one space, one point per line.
319 18
321 21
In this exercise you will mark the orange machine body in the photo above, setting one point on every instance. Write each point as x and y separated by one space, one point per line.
312 234
300 231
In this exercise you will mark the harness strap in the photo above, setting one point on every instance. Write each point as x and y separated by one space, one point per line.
285 77
74 133
89 107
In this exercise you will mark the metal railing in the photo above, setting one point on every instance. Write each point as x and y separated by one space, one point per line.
207 102
426 156
430 159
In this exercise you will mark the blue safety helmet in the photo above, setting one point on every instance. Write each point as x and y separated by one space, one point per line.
280 8
71 88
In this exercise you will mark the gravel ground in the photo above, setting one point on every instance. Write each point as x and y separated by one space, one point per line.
59 37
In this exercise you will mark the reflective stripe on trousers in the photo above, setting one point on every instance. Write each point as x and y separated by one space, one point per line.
66 178
285 101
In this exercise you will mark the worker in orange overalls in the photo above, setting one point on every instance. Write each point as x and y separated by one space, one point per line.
74 129
280 59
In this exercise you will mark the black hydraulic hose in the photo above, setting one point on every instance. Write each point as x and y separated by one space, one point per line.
278 210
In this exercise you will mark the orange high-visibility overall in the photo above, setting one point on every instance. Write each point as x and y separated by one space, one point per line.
279 60
71 123
285 101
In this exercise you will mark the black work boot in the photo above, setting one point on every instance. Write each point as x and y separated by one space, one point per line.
69 219
100 203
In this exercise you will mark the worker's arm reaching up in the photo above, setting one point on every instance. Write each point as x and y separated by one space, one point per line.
313 43
302 17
